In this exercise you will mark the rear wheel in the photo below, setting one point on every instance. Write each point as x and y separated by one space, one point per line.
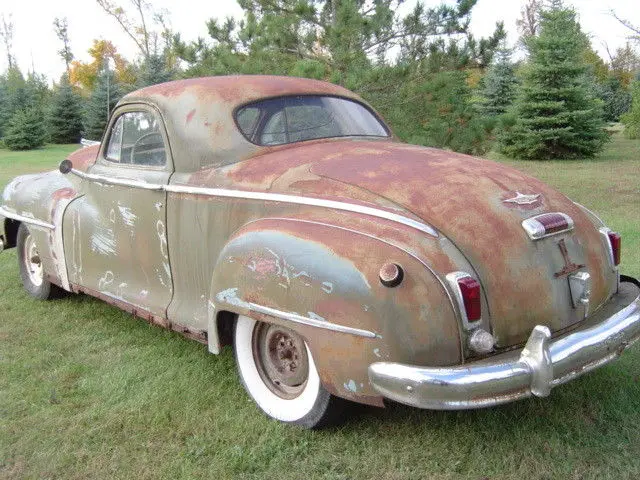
278 371
31 269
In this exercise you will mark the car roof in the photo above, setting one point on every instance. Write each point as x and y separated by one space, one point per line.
239 89
198 113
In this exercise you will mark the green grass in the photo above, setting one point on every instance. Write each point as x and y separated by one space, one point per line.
87 391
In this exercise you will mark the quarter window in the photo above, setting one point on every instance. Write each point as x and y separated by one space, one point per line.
136 139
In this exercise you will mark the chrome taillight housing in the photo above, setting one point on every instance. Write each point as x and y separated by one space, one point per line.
467 291
614 242
547 224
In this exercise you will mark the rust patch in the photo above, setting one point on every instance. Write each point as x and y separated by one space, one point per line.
190 115
160 321
84 157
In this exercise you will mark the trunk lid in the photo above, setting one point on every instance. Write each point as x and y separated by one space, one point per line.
479 205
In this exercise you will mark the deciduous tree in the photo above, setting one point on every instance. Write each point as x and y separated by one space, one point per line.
61 27
631 120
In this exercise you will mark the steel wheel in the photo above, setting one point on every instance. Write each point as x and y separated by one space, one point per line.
281 358
31 267
277 370
32 261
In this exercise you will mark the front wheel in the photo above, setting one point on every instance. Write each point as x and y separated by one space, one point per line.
278 371
31 270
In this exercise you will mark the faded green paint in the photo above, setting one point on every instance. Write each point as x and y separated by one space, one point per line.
179 259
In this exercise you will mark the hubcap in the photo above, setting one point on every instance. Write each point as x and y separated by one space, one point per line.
281 358
32 262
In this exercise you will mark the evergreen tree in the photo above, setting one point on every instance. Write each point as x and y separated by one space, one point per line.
499 85
438 112
631 119
26 130
65 117
557 113
616 99
153 71
104 97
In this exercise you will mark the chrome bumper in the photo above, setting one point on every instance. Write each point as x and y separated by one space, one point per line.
541 365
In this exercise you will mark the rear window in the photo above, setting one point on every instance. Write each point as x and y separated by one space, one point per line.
297 118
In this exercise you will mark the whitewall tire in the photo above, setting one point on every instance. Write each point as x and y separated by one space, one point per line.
277 370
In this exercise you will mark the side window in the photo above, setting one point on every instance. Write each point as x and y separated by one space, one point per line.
115 141
136 140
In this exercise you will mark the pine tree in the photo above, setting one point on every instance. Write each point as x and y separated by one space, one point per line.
557 113
153 71
437 111
26 130
499 85
103 99
65 117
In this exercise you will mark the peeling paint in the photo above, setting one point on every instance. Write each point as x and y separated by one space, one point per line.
106 280
327 287
351 386
103 241
315 316
230 296
128 217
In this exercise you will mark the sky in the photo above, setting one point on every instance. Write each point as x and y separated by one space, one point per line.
36 45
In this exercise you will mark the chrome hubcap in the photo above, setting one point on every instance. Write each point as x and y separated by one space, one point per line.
281 358
32 262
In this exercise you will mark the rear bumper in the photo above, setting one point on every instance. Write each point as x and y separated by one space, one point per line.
541 365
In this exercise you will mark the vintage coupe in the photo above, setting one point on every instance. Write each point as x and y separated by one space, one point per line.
279 215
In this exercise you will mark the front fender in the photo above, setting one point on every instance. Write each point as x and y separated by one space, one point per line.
39 201
322 282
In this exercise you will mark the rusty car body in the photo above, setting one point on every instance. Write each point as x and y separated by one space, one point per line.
282 216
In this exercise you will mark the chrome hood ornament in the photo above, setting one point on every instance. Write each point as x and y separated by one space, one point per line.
522 199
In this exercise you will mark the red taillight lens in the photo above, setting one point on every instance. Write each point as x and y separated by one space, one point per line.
616 242
470 290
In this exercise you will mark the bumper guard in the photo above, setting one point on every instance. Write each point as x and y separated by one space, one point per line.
534 370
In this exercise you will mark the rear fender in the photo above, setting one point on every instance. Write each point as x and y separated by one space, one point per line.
323 282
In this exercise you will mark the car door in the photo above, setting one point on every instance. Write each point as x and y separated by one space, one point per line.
115 235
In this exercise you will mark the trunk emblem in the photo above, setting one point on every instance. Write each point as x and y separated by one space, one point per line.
569 266
522 199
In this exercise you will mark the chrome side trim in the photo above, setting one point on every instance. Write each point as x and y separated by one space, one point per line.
88 143
312 322
269 197
28 220
298 200
125 182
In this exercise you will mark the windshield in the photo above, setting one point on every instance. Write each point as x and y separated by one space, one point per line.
294 119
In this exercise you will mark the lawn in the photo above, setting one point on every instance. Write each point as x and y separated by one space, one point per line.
87 391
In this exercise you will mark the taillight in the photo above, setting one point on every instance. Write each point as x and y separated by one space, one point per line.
470 291
547 224
615 240
467 292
